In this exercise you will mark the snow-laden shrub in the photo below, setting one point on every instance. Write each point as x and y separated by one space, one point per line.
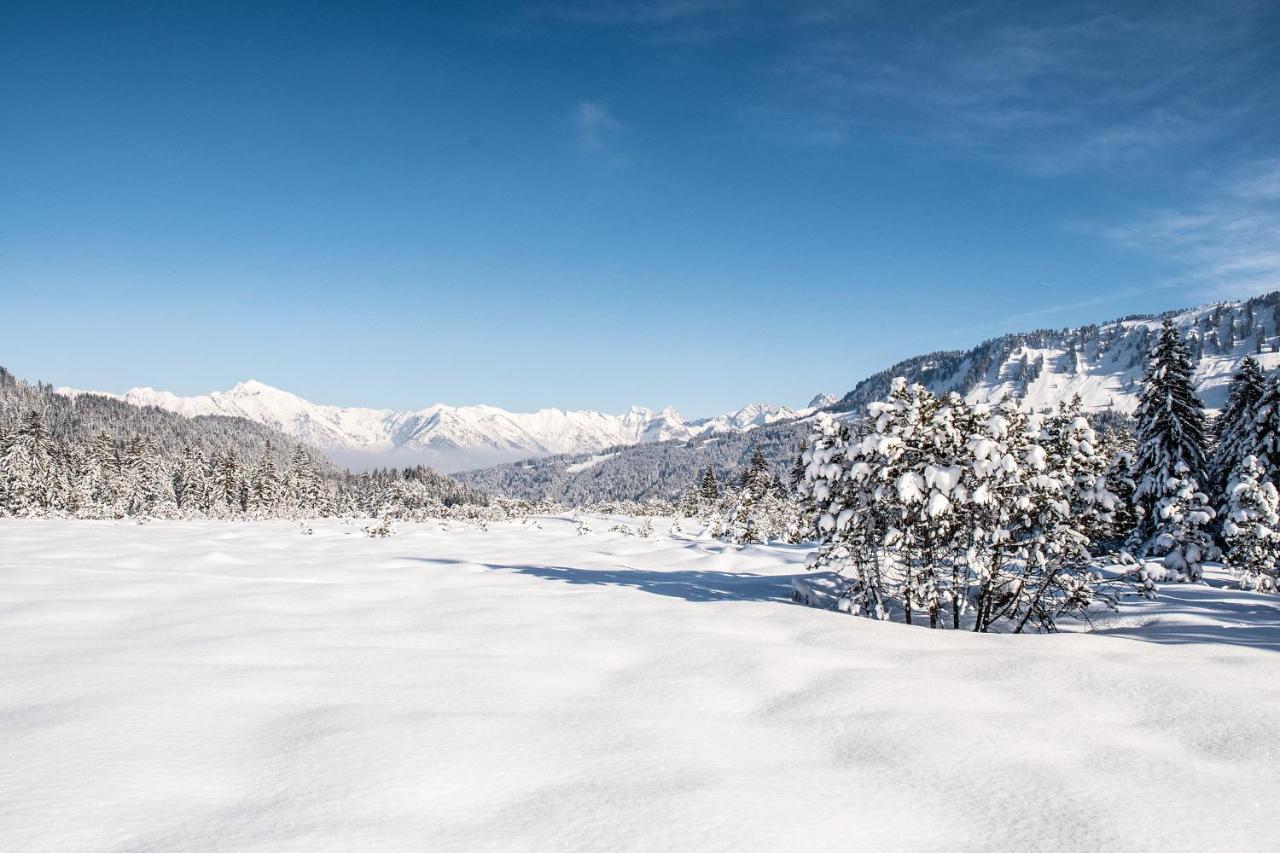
381 530
966 515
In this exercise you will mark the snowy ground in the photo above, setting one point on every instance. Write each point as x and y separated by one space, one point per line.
211 686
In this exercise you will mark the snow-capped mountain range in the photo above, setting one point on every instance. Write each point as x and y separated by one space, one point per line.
448 438
1102 363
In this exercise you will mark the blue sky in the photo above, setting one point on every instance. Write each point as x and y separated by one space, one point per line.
585 205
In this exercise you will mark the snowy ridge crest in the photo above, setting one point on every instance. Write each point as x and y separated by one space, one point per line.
1103 363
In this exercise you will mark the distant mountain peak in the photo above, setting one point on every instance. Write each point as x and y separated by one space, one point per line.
821 401
449 438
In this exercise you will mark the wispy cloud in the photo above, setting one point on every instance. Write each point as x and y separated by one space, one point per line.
592 124
1227 244
1045 89
1049 87
1014 320
1171 99
662 21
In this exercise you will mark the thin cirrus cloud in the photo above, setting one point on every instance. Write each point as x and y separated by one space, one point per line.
1045 91
1133 94
1227 244
1043 88
593 124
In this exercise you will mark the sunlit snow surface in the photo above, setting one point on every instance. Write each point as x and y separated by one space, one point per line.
217 686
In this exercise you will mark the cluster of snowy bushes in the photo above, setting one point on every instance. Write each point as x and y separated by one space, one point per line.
987 517
758 507
960 513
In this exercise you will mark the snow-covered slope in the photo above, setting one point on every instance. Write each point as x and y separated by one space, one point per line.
1102 363
449 438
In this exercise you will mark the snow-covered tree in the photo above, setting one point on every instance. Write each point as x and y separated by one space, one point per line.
191 486
1171 438
1266 430
709 490
691 502
1252 527
265 488
27 469
227 483
762 511
1183 523
1235 436
1083 461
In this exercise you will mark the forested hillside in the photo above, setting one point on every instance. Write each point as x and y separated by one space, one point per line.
1103 363
97 457
661 471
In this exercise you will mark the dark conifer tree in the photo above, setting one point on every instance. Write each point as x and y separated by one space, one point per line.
1233 430
1171 435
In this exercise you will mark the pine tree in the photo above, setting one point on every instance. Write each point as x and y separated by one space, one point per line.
761 511
1266 431
1183 521
710 491
226 485
1252 528
28 469
1079 457
191 482
1234 433
265 489
1171 438
691 502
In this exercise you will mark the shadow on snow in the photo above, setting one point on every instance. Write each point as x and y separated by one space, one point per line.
1215 611
690 585
1212 612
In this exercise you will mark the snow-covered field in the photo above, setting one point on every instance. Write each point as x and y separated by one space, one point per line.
219 686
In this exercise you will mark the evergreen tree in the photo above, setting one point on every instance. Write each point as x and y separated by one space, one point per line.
27 467
691 502
1252 527
1183 521
761 512
1266 431
264 497
226 485
1171 438
710 490
191 482
307 489
1234 432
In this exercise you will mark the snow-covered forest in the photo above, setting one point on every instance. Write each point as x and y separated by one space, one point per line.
95 457
931 506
